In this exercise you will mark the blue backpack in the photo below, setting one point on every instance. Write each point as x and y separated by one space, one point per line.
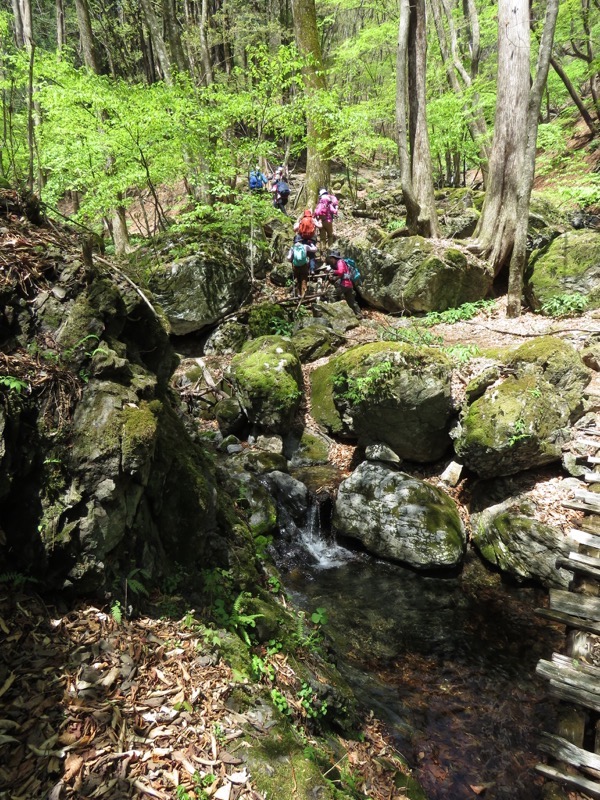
255 180
299 255
283 190
352 271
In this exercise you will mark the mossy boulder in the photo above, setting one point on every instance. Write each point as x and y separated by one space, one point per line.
401 518
522 421
385 392
267 379
558 363
569 265
315 341
338 316
420 275
509 537
308 450
199 290
228 338
251 498
514 426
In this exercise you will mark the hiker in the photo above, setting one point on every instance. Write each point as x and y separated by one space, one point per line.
300 255
279 174
325 211
257 180
281 194
307 228
341 276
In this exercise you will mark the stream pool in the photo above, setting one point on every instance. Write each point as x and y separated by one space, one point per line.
448 662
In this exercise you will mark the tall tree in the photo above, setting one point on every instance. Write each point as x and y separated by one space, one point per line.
86 36
158 42
519 254
495 231
309 47
415 164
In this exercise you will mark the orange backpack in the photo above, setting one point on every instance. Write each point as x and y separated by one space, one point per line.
307 227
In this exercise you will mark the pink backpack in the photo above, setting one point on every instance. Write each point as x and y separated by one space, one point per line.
326 207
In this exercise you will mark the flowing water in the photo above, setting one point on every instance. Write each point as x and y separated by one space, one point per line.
447 662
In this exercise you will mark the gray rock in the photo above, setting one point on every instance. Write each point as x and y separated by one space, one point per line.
509 537
271 444
398 517
228 338
290 493
339 315
197 291
381 452
419 275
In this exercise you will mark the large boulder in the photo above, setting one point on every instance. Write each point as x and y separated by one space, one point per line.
522 421
387 392
420 275
570 264
401 518
508 536
267 380
199 290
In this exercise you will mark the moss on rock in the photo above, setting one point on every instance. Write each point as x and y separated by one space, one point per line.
268 380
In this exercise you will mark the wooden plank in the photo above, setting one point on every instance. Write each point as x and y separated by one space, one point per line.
580 605
568 675
575 781
589 561
592 477
577 505
583 537
566 751
588 669
577 566
593 459
569 620
577 697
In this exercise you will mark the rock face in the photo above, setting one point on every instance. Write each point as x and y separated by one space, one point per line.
390 393
508 536
400 518
570 264
267 378
99 474
521 421
418 275
197 291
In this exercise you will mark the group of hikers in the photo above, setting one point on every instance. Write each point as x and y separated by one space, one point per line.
313 237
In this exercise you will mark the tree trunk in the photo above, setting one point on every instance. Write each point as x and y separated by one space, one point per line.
519 254
204 48
26 22
120 232
19 39
173 36
309 47
157 39
496 228
421 167
585 114
408 195
86 36
61 35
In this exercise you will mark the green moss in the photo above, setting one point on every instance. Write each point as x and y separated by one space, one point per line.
267 319
139 428
333 380
569 264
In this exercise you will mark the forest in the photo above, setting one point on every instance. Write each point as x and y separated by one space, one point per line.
325 528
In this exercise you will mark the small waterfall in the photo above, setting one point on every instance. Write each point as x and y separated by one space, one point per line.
325 552
306 544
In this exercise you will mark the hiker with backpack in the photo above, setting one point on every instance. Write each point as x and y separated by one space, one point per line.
301 254
257 180
326 211
341 274
307 228
281 194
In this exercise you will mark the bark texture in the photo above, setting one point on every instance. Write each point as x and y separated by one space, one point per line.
307 42
496 230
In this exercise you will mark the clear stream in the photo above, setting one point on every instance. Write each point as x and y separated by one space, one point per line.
448 662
